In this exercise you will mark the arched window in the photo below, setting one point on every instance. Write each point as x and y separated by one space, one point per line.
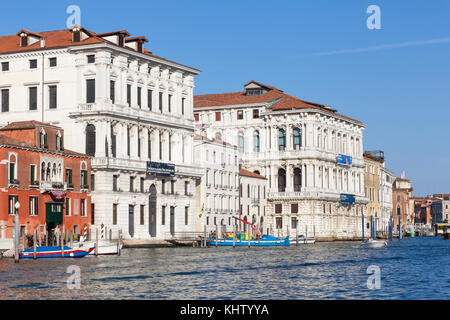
43 171
43 139
399 210
257 142
297 139
281 180
281 140
241 142
297 180
90 140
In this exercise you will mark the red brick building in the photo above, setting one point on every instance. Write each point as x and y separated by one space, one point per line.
403 202
50 183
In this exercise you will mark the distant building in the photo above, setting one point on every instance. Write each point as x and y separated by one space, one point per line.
217 195
51 183
253 200
403 202
440 209
311 155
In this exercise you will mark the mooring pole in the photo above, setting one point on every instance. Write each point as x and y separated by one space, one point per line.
362 227
96 242
62 244
34 244
296 233
16 239
399 228
234 235
217 235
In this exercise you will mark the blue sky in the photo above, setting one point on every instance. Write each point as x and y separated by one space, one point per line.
401 92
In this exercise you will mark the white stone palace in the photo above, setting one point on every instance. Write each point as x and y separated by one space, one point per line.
121 104
311 155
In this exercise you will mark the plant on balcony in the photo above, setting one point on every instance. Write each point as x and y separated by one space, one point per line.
85 186
45 146
70 185
57 185
14 181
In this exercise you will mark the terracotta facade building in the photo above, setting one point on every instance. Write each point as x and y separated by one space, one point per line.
51 184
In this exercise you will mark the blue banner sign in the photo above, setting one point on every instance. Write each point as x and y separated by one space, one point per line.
346 160
161 169
348 199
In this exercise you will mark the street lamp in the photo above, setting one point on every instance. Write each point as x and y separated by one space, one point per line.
16 232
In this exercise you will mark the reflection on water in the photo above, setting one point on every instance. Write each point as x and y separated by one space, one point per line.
410 269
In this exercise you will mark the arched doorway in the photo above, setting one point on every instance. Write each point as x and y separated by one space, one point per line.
152 211
281 180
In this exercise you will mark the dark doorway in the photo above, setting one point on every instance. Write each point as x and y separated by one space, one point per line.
131 220
152 211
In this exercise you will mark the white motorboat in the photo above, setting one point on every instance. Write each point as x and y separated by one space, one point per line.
104 247
375 244
303 240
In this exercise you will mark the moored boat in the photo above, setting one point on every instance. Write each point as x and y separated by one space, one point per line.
104 247
303 240
375 244
54 252
264 241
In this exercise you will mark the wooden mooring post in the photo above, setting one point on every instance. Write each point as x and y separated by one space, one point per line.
62 244
234 235
16 239
217 235
34 245
204 239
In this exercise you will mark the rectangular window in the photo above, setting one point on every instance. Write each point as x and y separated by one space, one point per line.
53 97
5 100
67 207
186 187
91 58
196 117
115 214
218 116
129 95
83 207
150 99
90 91
5 66
163 186
83 179
92 182
294 208
170 103
172 187
33 207
52 62
163 215
131 184
112 91
115 182
32 98
293 223
279 223
139 96
128 142
142 215
183 101
240 115
186 215
256 114
161 102
278 208
142 185
32 174
12 172
33 64
12 200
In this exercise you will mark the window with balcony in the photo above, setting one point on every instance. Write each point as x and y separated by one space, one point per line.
129 95
90 140
297 180
112 91
281 180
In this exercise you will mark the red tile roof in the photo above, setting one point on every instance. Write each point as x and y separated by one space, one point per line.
21 125
63 38
250 174
275 99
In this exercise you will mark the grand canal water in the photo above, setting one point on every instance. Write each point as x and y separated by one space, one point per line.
417 268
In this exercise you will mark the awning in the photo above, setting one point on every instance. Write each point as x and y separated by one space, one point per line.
58 196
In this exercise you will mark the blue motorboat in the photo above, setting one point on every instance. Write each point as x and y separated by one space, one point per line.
54 252
264 241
